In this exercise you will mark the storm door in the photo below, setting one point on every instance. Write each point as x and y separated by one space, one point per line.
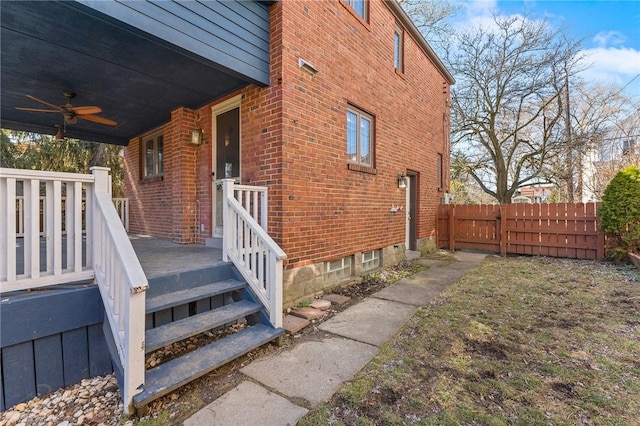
226 157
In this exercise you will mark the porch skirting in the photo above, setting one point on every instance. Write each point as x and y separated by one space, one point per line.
50 339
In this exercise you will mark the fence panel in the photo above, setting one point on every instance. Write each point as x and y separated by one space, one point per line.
559 230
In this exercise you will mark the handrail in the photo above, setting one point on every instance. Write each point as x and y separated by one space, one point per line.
122 284
256 255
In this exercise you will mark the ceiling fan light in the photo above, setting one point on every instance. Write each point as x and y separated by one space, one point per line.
59 134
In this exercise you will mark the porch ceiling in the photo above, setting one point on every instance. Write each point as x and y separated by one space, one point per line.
136 78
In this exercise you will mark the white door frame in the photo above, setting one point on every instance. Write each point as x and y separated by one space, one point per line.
407 214
216 110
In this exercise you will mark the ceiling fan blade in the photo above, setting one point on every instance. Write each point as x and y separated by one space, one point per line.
44 102
86 110
99 120
37 109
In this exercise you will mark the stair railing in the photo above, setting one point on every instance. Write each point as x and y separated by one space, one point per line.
248 245
122 284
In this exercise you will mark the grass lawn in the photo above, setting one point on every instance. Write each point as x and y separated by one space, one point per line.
520 341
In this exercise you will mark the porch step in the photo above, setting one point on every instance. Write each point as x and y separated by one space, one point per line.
166 377
165 301
187 327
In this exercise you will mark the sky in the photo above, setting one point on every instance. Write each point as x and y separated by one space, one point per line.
611 32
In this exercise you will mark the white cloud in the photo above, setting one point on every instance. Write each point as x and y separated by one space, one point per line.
615 65
609 38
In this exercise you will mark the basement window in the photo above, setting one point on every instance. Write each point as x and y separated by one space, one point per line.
336 270
370 260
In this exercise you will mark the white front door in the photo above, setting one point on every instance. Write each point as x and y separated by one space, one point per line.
225 153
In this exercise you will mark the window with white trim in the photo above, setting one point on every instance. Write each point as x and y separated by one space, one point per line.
359 137
439 174
153 146
398 49
360 7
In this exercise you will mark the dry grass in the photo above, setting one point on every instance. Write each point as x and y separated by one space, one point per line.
517 341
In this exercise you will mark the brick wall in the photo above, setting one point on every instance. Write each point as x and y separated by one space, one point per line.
293 140
332 211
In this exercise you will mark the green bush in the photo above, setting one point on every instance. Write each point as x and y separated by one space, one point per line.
620 210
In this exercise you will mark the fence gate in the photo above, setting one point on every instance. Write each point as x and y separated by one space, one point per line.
559 230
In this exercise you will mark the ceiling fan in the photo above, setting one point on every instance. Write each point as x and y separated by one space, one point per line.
71 113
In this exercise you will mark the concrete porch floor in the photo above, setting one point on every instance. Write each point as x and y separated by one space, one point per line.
160 257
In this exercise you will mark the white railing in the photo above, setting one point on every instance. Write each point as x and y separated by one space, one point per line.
62 256
246 243
121 204
254 200
122 207
107 251
122 284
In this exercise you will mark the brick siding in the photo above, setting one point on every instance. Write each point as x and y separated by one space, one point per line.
293 140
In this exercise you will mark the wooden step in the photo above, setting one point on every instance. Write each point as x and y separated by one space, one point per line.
165 301
187 327
166 377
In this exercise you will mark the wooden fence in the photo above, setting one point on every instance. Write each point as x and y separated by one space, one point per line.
558 230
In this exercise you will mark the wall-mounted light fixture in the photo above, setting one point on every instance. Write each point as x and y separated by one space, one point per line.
402 180
307 66
196 136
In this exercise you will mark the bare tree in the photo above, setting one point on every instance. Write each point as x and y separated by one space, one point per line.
507 106
595 111
432 18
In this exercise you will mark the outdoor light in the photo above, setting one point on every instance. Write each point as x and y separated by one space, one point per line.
196 136
402 181
59 134
307 66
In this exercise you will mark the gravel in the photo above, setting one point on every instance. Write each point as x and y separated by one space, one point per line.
94 401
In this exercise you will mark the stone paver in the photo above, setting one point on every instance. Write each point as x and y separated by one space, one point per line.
313 370
337 299
308 313
321 304
292 324
372 321
248 404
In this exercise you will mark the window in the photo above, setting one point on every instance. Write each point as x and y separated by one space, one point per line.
153 156
439 178
370 260
336 270
359 137
398 49
360 7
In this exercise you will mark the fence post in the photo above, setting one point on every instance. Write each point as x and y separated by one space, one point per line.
503 230
451 212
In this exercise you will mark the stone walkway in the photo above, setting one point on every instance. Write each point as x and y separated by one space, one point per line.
278 387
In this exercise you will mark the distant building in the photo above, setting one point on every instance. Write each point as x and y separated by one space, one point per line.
536 193
617 147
